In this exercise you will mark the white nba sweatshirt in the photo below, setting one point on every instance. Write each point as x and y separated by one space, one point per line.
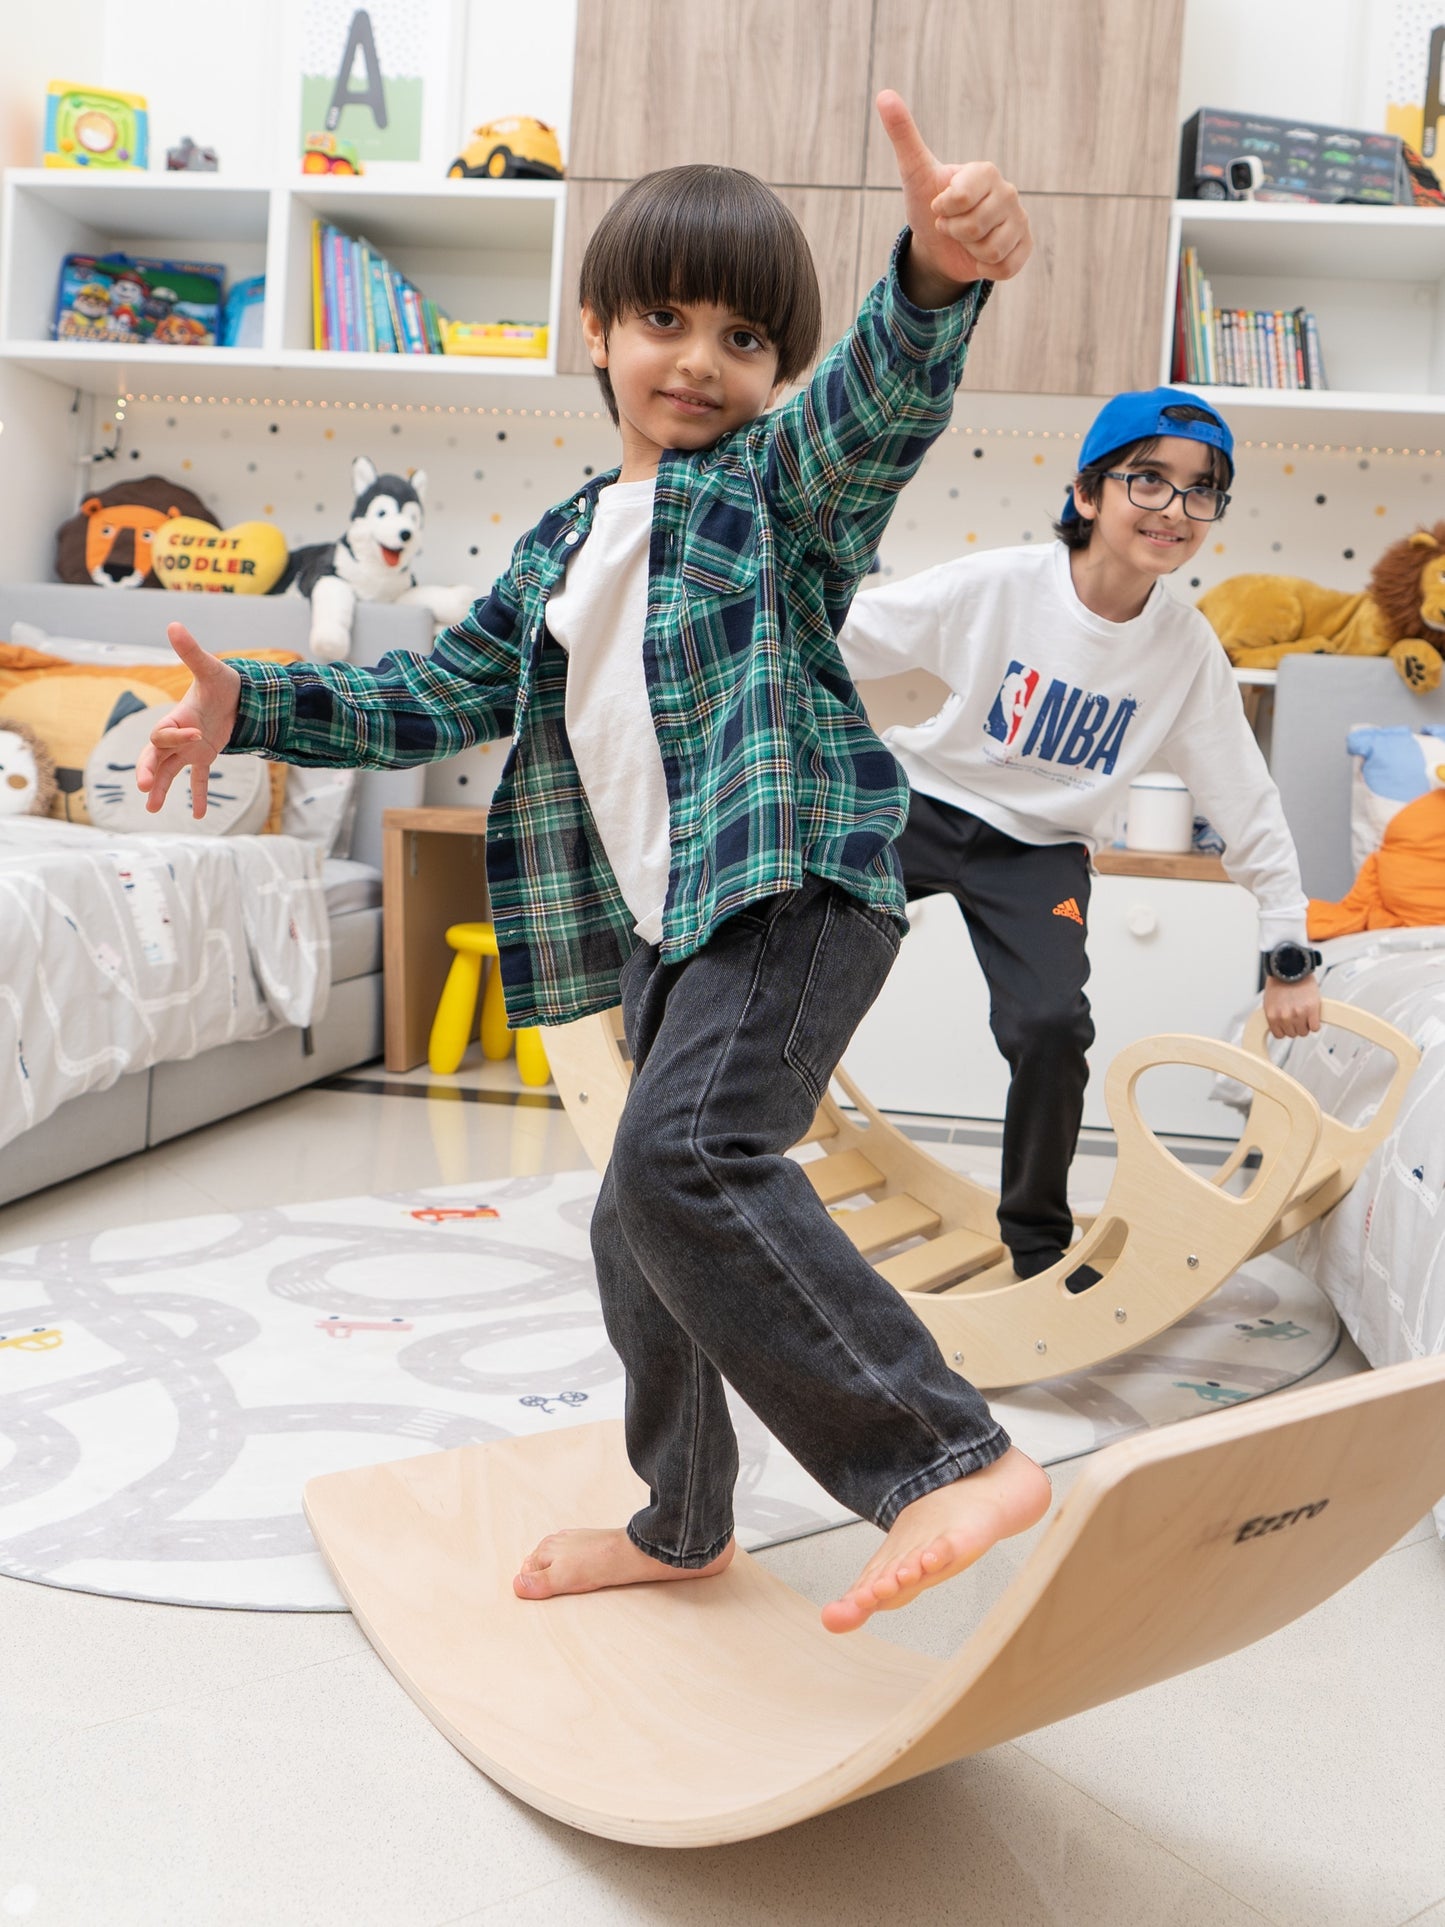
1054 711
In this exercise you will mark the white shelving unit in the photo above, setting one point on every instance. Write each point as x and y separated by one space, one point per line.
484 250
1374 277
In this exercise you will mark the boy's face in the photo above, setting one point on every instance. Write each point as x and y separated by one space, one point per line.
1152 542
682 376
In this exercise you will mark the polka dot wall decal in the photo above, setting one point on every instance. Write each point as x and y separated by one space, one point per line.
135 454
270 509
1276 546
978 454
588 469
953 495
396 428
1365 463
1194 582
501 434
559 441
972 536
170 421
1320 499
1219 548
1289 468
496 517
1038 461
186 463
250 468
472 550
275 428
1379 508
1028 535
1349 555
320 508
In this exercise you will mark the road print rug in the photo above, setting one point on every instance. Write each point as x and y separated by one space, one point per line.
167 1389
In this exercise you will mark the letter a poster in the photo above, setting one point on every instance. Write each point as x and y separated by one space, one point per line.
383 78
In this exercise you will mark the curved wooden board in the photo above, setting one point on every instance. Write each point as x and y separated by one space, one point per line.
715 1710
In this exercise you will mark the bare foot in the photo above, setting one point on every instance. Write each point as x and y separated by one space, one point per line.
940 1534
585 1559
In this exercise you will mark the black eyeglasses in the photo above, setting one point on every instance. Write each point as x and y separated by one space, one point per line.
1150 491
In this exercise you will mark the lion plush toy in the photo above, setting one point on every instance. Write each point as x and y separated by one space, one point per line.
1262 618
108 540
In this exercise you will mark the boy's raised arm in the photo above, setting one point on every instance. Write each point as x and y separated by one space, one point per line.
409 709
844 447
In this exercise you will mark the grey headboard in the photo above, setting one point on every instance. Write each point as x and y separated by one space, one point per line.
139 617
1318 700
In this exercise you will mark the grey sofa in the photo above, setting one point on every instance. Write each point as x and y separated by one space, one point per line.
149 1107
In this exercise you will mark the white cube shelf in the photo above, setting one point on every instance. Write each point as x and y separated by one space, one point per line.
483 250
1374 277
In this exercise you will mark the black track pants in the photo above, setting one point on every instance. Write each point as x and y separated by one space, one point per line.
1026 906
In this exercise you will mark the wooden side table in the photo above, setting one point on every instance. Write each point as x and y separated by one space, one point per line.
433 873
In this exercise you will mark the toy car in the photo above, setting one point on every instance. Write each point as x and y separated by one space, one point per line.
516 148
325 154
188 158
451 1213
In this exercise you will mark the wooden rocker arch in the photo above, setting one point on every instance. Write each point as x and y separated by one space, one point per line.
1163 1241
692 1715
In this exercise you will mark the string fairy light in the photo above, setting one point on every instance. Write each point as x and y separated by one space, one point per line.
482 409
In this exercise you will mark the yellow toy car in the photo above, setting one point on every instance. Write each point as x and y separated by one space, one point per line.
325 154
516 148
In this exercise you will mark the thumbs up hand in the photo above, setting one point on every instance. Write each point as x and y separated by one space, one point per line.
968 222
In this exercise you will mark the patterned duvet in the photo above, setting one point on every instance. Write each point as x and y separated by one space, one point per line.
121 952
1380 1254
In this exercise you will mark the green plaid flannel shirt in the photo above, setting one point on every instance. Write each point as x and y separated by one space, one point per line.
758 544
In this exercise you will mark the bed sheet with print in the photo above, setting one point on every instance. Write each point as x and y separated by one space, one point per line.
117 953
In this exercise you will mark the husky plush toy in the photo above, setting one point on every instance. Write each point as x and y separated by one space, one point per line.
371 563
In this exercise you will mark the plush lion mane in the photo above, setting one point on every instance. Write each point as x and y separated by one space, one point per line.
44 761
1395 582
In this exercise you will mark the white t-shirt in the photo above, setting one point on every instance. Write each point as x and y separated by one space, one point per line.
598 616
1055 711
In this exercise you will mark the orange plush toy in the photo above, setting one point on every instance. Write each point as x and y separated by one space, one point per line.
1402 884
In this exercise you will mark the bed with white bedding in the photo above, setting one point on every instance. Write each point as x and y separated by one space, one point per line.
1380 1254
121 952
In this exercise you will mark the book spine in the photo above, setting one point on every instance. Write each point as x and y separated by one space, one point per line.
332 270
318 298
1179 369
392 280
1314 356
363 282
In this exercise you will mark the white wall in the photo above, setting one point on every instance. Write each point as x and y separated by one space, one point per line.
225 89
39 45
1316 60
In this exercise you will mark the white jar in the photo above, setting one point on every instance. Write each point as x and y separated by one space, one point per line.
1161 814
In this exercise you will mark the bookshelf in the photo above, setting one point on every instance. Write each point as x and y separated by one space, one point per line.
1375 279
485 250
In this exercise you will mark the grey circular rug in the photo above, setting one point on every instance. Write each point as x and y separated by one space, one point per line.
166 1390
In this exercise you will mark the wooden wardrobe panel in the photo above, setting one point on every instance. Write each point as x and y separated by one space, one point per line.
1084 317
1068 99
781 90
829 217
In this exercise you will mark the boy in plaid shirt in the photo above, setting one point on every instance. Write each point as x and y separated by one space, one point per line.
696 812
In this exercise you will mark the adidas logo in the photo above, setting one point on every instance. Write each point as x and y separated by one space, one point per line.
1068 908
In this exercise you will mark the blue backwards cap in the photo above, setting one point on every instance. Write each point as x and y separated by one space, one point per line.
1137 416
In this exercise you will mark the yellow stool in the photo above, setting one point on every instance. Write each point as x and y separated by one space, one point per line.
452 1025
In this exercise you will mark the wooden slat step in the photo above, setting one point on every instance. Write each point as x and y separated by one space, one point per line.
842 1176
888 1222
940 1259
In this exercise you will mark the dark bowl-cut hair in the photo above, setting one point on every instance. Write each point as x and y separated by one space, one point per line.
1090 480
712 234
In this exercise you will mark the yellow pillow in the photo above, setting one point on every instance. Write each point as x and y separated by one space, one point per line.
72 705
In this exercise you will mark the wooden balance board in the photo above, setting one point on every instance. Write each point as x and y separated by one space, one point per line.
1165 1239
690 1714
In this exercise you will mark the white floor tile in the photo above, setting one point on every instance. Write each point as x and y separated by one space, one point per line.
1306 1773
992 1842
322 1798
91 1660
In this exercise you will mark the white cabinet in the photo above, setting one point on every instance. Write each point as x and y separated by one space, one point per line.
1168 954
485 250
1374 277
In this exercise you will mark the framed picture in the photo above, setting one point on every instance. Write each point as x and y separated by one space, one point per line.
381 81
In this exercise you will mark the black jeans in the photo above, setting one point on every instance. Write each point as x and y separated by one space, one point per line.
716 1259
1027 910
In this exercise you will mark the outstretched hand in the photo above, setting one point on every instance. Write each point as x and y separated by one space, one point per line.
195 731
968 222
